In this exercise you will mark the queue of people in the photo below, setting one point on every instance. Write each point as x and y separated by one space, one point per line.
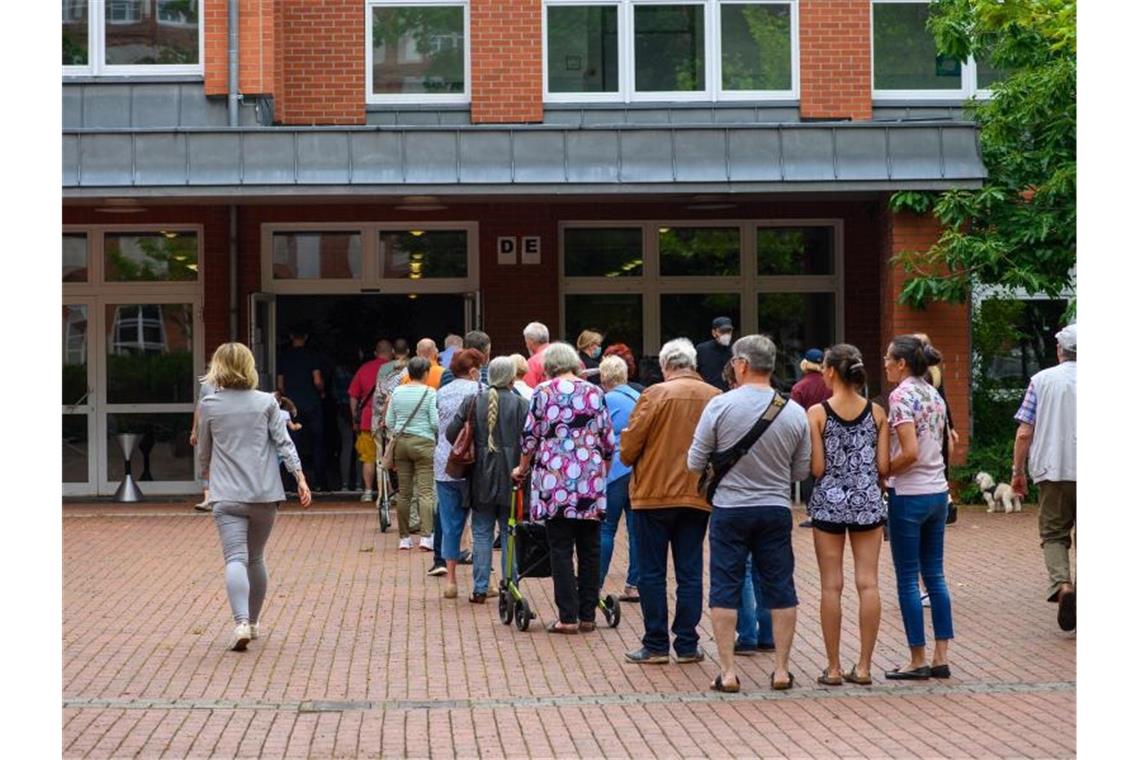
679 459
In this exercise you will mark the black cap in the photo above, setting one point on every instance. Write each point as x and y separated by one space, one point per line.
722 323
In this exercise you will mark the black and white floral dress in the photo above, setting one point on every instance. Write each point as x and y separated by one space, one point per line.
848 492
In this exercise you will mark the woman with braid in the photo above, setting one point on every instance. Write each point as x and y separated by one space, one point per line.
497 425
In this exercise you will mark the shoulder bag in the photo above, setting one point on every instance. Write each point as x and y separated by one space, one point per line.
462 454
388 459
722 461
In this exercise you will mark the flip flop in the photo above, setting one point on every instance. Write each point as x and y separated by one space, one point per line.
782 686
826 680
720 685
553 628
853 677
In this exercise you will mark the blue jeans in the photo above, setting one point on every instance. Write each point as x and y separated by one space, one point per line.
753 619
482 536
617 502
918 528
681 529
450 517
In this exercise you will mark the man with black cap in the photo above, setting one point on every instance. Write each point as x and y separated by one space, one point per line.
713 354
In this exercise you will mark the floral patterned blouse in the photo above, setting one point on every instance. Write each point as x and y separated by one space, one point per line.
917 401
569 433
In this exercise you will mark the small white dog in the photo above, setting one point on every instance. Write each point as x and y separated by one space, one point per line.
997 492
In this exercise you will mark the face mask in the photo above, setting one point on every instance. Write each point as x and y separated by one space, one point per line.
596 353
724 339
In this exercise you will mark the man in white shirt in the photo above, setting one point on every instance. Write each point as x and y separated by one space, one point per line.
1048 434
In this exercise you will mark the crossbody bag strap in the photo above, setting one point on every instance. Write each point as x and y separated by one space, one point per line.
737 452
415 409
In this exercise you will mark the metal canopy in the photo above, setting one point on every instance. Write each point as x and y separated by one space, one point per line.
527 159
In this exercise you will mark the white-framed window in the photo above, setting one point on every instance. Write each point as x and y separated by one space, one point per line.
906 65
670 50
132 37
417 51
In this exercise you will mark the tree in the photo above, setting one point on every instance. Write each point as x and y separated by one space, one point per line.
1019 229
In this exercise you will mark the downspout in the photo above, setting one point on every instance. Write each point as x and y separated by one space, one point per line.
232 103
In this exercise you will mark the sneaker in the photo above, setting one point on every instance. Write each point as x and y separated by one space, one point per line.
367 496
1067 610
762 647
644 657
806 523
697 656
437 569
926 600
405 543
204 506
241 637
498 542
426 544
465 557
744 650
254 630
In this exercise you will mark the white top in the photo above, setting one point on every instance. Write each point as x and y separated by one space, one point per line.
918 402
524 390
1053 453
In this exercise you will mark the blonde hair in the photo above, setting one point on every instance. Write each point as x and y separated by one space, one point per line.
520 365
500 374
613 371
588 338
232 367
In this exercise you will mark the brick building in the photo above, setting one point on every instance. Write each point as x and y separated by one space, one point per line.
410 168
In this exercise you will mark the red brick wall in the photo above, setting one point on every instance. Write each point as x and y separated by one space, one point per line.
835 59
322 72
257 35
506 61
948 325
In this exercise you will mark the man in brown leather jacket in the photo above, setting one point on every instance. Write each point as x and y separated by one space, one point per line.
667 509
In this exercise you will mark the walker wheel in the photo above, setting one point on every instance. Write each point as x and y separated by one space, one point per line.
385 517
522 615
506 608
611 608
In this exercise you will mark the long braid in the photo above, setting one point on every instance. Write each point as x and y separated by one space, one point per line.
492 418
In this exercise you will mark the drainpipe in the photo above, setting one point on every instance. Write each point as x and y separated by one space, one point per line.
232 103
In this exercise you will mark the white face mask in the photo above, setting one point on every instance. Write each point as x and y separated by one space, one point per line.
724 339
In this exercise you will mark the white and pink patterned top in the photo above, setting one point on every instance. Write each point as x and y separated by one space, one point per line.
569 432
917 401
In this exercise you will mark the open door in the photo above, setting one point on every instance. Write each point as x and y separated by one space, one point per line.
473 311
263 338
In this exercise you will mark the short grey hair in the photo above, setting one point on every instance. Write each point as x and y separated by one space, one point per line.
678 354
537 332
613 370
758 350
559 358
501 372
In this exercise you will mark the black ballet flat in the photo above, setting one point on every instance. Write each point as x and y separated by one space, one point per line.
918 674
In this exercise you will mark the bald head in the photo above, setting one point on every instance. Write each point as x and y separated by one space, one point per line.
426 348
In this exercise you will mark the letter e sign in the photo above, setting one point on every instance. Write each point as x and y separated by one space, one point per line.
532 249
508 250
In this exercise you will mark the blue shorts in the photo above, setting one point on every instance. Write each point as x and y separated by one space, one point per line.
766 533
450 496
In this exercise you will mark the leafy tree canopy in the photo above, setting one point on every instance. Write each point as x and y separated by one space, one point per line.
1019 229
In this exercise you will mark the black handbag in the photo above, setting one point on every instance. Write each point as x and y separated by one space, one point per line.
722 461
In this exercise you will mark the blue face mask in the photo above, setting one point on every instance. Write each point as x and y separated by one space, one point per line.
594 354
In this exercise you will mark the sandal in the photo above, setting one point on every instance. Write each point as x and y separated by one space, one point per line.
826 680
554 628
781 686
853 677
629 594
720 685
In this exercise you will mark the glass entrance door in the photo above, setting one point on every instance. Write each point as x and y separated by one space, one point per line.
78 400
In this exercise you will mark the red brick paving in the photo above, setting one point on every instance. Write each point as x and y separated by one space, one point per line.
349 619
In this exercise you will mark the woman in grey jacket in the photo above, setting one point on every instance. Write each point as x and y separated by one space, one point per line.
497 425
241 435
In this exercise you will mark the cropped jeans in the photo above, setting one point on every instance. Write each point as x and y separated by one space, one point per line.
917 527
617 502
754 619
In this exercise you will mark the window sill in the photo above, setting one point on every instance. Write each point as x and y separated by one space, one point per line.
133 78
645 105
384 107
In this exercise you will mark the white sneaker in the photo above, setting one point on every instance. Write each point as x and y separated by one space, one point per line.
241 637
367 496
406 543
254 630
426 544
926 600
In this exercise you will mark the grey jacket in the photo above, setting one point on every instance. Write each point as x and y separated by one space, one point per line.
240 436
490 480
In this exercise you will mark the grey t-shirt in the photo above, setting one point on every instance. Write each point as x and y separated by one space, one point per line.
763 477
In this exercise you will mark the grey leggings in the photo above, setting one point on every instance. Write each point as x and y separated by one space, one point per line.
244 529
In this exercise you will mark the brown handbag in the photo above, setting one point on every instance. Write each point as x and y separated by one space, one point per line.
462 454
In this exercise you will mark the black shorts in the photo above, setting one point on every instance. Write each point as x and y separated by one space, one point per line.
842 528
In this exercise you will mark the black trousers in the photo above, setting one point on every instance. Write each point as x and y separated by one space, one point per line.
576 597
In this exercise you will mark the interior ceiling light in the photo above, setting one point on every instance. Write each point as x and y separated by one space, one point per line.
416 233
412 296
663 230
421 207
120 209
168 234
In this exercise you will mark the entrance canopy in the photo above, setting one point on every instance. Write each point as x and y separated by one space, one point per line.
530 159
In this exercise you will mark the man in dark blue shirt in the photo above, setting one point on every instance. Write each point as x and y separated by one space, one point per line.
299 378
713 354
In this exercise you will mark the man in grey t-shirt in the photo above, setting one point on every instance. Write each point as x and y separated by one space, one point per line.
751 508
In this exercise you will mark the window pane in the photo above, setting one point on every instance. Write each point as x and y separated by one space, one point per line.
616 316
905 55
602 252
669 47
152 32
75 448
150 353
162 453
417 255
796 322
699 251
74 353
687 315
151 257
756 47
582 48
795 250
988 74
417 49
75 37
75 258
316 255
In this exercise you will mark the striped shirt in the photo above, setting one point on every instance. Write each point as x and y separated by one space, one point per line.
425 423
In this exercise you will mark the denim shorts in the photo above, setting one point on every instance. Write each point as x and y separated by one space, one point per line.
766 533
841 528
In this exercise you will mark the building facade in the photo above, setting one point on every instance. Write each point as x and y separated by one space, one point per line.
408 168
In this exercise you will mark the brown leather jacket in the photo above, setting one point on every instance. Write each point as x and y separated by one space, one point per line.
656 443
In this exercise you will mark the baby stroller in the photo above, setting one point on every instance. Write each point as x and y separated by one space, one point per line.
528 556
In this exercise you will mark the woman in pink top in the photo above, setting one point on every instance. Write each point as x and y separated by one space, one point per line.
918 502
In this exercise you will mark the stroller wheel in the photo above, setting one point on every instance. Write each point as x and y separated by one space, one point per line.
506 607
522 615
611 608
385 517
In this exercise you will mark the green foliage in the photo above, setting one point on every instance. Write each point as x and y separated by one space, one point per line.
151 378
993 458
163 258
756 47
433 29
1019 229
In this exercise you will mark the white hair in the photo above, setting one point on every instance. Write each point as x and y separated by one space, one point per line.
758 350
453 341
678 353
559 358
536 332
613 371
